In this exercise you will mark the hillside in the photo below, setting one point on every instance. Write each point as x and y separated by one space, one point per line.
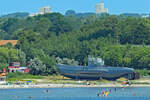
43 38
16 15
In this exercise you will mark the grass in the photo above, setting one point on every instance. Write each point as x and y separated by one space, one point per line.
58 79
21 76
121 79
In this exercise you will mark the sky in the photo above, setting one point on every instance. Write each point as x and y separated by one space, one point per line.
114 6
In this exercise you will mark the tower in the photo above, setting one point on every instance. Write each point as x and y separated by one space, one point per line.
45 10
100 8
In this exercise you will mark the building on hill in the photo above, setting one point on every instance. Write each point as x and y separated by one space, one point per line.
4 42
100 8
43 10
24 70
15 67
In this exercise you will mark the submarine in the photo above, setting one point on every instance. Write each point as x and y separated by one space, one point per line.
95 70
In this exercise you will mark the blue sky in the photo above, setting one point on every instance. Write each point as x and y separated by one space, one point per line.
115 6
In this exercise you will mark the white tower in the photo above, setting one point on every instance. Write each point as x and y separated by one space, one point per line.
100 8
45 10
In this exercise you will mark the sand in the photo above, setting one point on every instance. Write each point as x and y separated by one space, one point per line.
68 86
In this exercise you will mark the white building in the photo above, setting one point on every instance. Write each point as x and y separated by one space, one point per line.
43 10
100 8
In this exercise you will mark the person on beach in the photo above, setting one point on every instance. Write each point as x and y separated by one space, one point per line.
98 94
103 93
46 91
134 94
88 83
109 90
115 89
30 97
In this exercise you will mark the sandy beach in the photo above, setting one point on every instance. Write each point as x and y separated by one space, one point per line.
69 86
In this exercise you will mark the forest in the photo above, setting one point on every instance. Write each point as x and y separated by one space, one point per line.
118 40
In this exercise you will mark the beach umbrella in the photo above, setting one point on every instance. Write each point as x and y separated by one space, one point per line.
28 81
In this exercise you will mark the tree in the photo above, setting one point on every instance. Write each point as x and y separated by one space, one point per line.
42 26
22 58
50 63
37 67
70 13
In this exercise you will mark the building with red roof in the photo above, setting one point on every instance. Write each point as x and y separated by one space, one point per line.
4 42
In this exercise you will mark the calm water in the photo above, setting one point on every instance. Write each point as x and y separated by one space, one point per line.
75 94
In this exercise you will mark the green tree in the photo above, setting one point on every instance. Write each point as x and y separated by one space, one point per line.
37 67
22 58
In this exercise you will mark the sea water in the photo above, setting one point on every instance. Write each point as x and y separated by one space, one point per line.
137 93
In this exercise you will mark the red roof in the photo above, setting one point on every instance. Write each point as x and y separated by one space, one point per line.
4 42
26 70
13 66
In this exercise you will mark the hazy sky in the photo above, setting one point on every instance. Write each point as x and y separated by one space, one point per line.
115 6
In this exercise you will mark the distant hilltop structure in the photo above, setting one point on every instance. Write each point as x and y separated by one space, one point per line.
43 10
100 8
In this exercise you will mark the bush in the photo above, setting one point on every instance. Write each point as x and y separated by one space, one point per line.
144 72
37 67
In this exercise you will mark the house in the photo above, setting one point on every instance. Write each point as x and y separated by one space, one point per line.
15 67
24 70
4 42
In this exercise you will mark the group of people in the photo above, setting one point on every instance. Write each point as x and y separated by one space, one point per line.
103 93
30 97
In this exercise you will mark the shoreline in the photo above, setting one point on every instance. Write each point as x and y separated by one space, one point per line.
70 86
